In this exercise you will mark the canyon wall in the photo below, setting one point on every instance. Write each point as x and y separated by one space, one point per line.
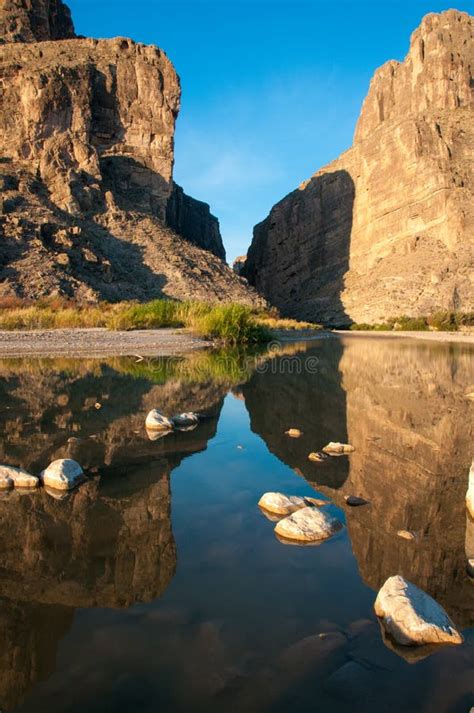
388 228
89 208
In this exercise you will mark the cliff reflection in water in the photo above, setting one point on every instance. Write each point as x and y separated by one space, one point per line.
107 544
402 404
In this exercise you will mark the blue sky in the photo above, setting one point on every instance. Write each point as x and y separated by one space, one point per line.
271 88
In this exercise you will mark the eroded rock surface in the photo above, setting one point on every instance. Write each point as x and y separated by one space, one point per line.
89 208
386 229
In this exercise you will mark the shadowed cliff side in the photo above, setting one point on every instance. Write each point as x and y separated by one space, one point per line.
303 234
402 244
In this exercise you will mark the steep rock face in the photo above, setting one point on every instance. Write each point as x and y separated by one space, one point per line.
35 21
388 227
194 221
89 208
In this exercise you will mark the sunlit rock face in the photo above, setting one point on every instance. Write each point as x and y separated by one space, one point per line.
386 229
89 206
35 21
403 407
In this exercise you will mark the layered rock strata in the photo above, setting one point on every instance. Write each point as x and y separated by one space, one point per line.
89 208
388 228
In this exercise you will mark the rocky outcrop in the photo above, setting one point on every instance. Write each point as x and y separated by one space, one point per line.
35 21
387 228
194 221
89 208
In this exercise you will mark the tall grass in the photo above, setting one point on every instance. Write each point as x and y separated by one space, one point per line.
230 324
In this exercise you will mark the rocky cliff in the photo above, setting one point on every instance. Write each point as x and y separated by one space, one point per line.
388 227
89 207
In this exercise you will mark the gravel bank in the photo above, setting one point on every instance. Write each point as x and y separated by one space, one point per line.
97 342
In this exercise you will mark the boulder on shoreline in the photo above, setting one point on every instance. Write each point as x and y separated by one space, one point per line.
156 421
63 474
412 617
308 525
185 420
17 477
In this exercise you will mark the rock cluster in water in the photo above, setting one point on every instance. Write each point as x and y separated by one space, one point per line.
387 228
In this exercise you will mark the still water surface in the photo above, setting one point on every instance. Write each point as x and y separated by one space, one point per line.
158 585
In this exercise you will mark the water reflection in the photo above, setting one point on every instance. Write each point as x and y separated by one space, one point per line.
99 602
403 407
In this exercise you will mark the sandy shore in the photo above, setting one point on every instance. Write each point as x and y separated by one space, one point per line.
459 337
98 342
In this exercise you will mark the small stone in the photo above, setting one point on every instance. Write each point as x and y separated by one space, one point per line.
293 433
355 500
63 474
156 421
97 406
19 477
319 457
470 567
5 482
185 420
307 525
338 449
412 617
470 491
406 534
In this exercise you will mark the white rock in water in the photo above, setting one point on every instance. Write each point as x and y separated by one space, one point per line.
307 525
183 420
470 491
5 482
156 421
281 504
63 474
338 448
412 617
293 433
20 478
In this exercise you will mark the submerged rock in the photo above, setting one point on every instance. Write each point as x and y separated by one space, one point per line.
293 433
307 525
338 449
412 617
319 457
279 504
63 474
185 420
156 421
406 534
19 478
355 500
470 491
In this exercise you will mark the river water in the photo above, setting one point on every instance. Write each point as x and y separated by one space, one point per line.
159 585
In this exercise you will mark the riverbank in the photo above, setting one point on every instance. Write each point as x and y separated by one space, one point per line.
98 342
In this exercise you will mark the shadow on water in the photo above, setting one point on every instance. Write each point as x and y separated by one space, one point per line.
98 611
